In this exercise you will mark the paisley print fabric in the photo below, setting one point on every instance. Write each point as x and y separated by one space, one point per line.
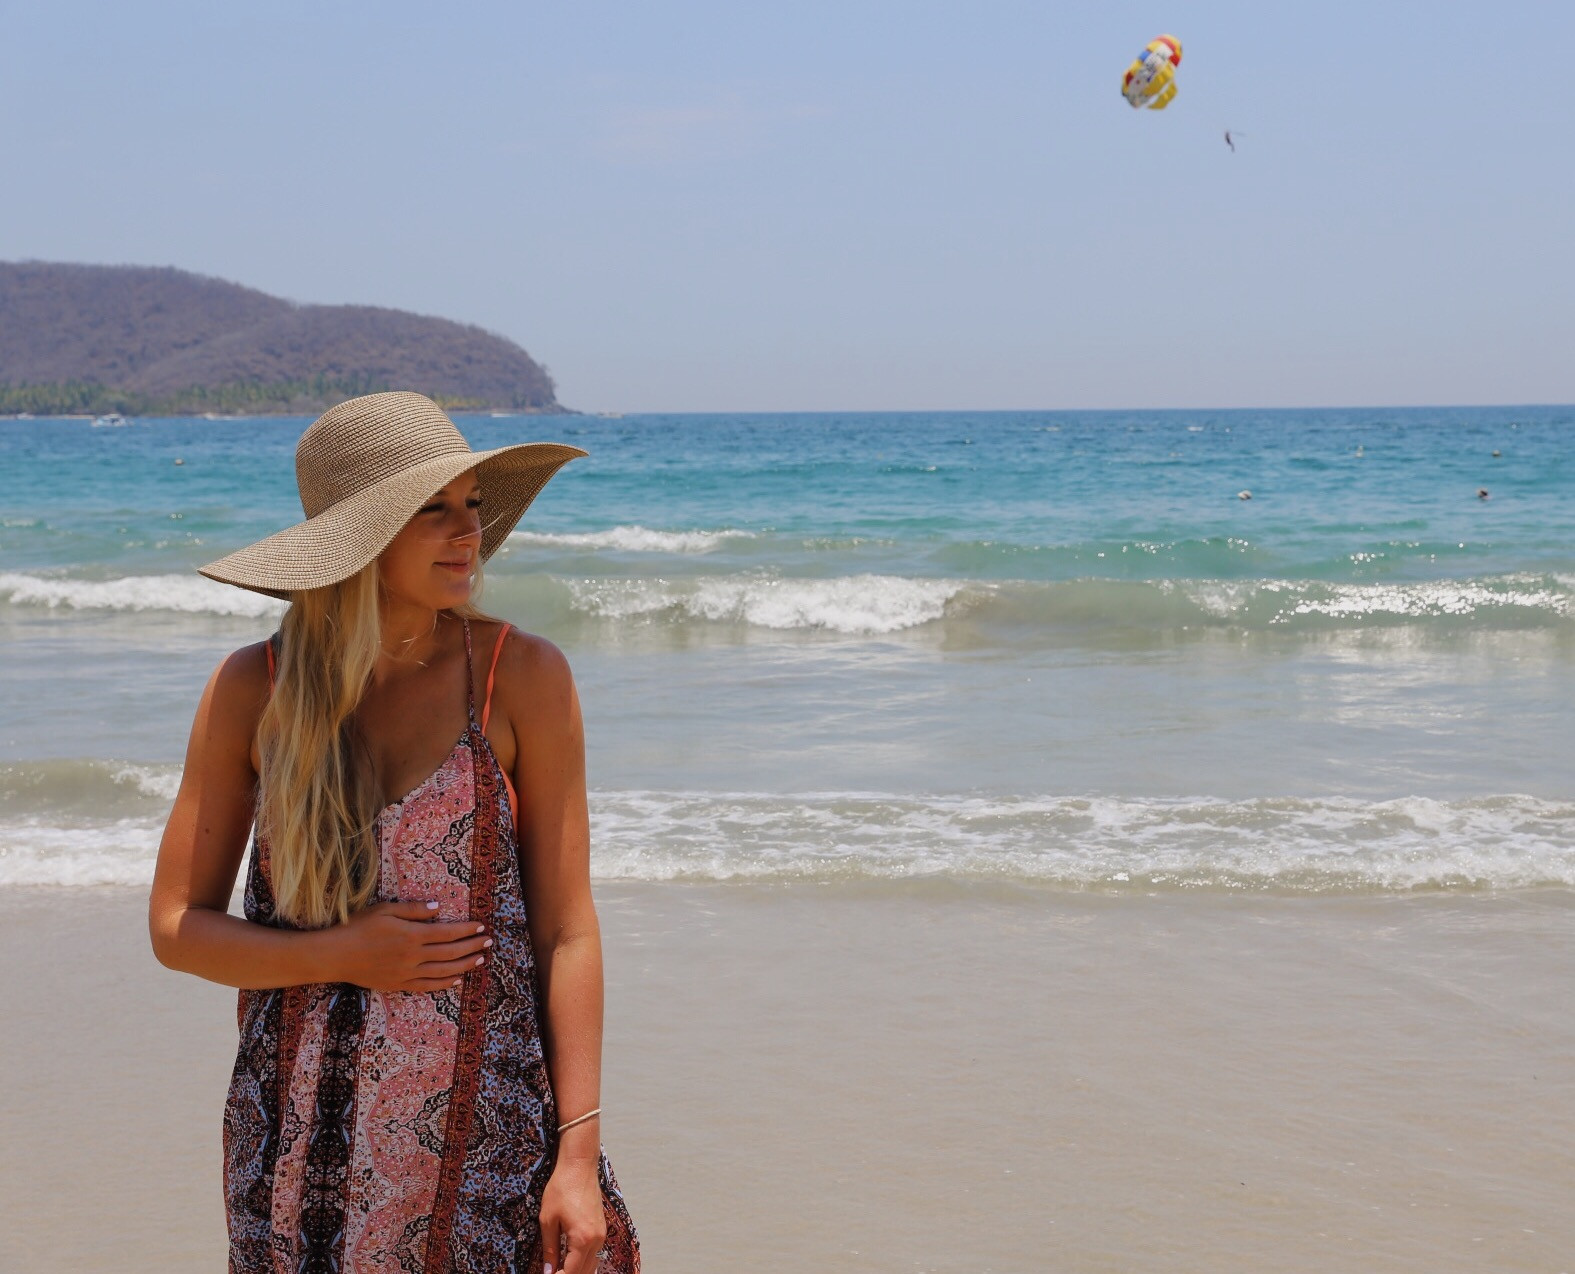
410 1133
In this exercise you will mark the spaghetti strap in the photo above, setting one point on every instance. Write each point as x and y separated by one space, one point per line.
486 713
492 676
268 650
470 677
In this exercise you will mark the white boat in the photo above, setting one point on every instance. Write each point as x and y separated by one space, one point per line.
112 421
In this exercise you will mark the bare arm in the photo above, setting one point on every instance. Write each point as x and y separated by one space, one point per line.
554 827
201 851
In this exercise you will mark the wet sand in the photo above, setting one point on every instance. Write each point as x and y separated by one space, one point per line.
915 1078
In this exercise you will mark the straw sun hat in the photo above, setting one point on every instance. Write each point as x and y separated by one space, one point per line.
364 468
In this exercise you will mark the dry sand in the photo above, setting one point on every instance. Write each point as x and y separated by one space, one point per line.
912 1078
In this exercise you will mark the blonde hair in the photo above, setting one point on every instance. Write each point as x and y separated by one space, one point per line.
317 796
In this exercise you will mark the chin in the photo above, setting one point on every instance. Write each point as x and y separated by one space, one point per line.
437 597
447 592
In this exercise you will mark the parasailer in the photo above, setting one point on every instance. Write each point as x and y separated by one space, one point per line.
1151 79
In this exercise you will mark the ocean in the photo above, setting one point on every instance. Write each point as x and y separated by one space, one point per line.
1047 649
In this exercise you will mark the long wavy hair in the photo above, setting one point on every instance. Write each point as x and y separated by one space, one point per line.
318 799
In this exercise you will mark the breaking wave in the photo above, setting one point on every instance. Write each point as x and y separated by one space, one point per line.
1292 845
861 604
872 604
187 594
79 823
633 539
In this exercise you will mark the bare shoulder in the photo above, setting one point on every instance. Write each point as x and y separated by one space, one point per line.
535 662
234 698
240 682
534 685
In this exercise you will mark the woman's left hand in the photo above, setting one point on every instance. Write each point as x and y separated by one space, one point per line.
571 1207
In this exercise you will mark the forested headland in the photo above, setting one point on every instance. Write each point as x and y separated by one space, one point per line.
145 341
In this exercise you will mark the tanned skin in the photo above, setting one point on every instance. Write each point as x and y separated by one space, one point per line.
412 714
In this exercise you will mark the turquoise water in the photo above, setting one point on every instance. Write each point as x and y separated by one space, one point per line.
1037 646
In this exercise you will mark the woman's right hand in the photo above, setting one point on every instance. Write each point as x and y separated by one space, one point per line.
396 946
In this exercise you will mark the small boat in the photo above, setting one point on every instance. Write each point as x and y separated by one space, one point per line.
114 420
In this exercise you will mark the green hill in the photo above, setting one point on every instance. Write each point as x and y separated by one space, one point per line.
161 342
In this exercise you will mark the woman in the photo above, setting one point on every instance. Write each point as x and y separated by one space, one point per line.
417 1085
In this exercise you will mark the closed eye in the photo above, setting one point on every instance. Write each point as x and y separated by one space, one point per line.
474 502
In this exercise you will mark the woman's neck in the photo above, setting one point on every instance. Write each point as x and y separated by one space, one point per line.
409 635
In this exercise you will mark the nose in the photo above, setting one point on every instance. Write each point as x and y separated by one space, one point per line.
469 527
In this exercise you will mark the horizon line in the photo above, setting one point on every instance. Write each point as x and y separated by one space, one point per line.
608 414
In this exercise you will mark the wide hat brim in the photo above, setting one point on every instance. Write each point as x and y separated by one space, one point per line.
349 535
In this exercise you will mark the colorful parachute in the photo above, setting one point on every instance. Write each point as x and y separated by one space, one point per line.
1151 80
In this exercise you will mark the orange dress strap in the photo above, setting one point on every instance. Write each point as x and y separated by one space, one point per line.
492 676
268 647
486 712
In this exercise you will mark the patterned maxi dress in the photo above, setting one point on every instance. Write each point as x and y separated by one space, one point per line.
367 1131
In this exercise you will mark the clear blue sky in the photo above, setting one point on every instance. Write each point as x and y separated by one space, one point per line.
693 205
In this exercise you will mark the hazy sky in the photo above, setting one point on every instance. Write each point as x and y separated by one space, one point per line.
861 204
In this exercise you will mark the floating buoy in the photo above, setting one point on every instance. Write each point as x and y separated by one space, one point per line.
178 460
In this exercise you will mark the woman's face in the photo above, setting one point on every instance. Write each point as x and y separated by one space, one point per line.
432 560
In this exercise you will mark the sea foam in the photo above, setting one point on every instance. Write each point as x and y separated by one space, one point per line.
1283 845
856 604
186 594
1289 602
874 604
114 853
633 539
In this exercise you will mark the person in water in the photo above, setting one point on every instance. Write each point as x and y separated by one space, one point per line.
417 1084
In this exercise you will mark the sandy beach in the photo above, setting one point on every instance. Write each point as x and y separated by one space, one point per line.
1071 609
918 1077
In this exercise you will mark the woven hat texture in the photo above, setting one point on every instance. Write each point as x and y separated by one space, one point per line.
363 468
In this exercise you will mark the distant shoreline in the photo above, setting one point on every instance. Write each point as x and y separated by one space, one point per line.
472 412
927 412
157 342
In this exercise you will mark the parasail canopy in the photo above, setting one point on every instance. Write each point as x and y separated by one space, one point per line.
1151 79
